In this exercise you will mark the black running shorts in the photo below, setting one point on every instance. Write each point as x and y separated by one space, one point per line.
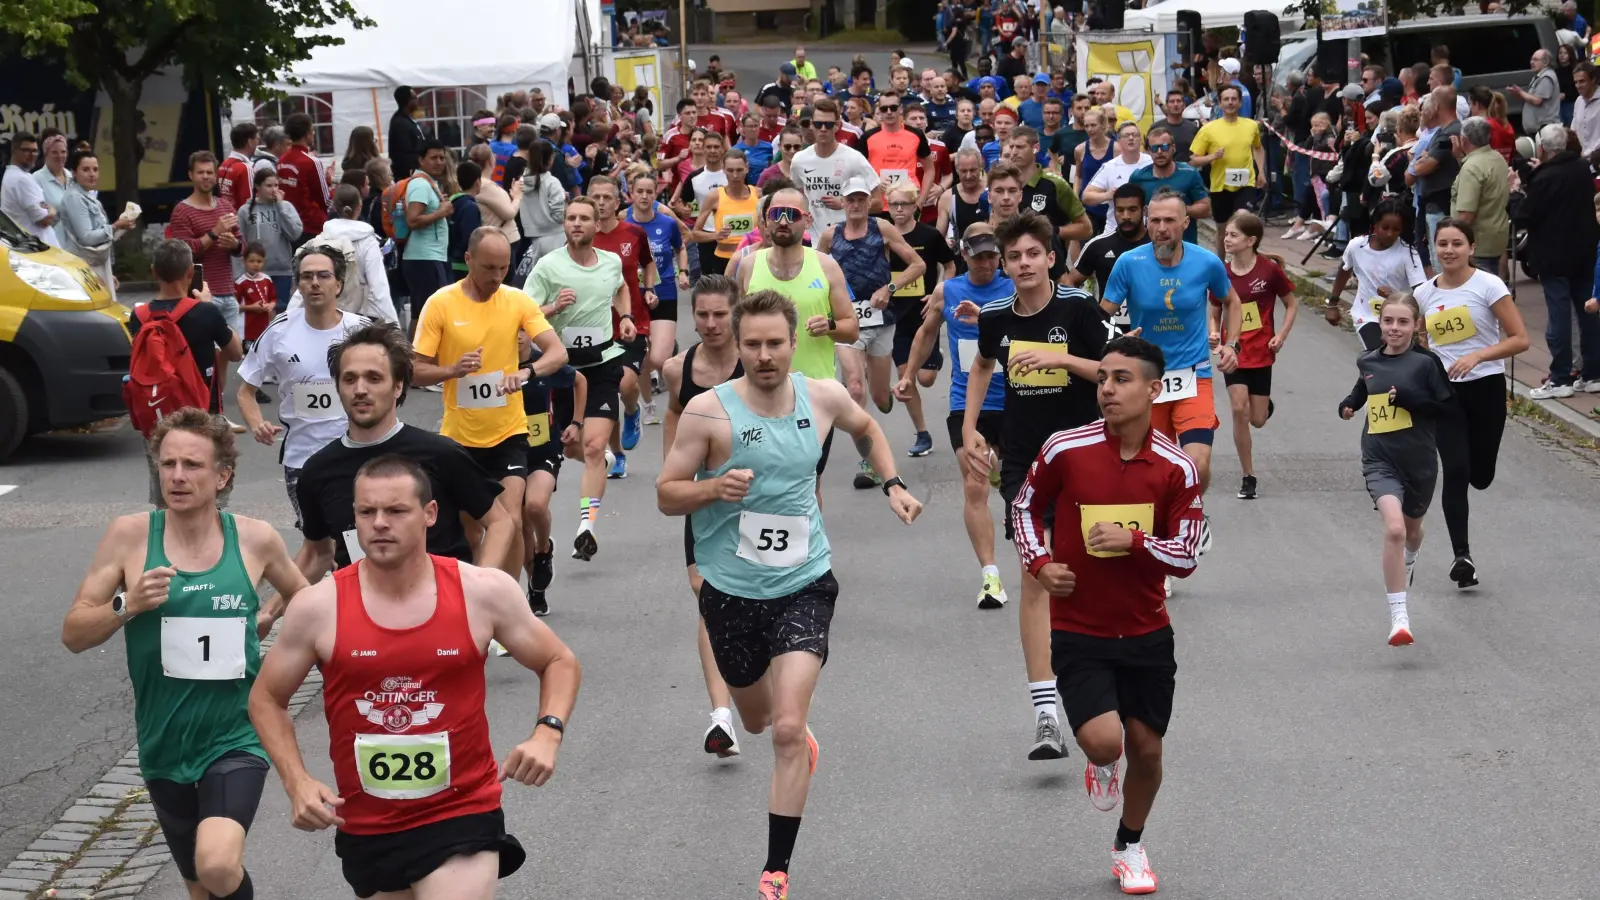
507 459
1257 381
394 862
634 352
747 634
1133 676
230 789
988 426
664 311
905 333
605 383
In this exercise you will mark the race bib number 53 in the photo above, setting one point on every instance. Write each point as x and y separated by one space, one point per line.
781 542
403 766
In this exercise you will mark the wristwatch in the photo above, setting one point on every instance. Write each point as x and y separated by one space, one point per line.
1234 346
551 721
893 483
119 604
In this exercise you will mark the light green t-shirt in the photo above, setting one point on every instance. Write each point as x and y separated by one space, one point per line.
431 242
585 326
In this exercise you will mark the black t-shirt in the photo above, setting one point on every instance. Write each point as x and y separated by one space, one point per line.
931 246
784 94
206 332
1101 253
1009 67
1034 411
328 485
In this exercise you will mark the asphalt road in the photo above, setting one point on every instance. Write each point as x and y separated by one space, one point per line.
1305 756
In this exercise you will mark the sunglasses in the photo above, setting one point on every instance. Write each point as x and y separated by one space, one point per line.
788 147
1160 148
893 107
821 124
783 215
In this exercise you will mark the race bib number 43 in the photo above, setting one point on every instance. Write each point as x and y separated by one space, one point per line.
203 649
480 390
575 336
403 766
1451 325
317 400
781 542
1178 384
1132 516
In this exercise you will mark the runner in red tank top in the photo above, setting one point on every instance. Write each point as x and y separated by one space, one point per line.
400 638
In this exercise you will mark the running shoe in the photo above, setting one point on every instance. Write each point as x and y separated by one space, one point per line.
1131 868
993 594
544 567
1411 572
652 413
611 459
1247 488
235 426
1294 231
813 748
630 429
1271 408
1167 586
584 546
774 886
538 603
1400 630
1102 785
433 388
867 477
1549 391
1047 739
263 396
619 466
497 648
720 739
922 446
1205 536
1589 386
655 383
1464 573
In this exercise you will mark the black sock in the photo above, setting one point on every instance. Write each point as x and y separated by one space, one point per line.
1126 835
781 834
245 890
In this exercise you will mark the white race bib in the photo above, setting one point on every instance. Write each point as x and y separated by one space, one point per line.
892 177
480 390
781 542
966 352
403 766
203 649
867 315
352 547
1178 384
317 400
574 336
1237 178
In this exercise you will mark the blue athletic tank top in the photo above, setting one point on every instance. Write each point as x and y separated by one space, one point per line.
964 338
1091 165
771 544
865 265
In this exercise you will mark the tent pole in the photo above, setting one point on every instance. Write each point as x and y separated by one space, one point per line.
683 46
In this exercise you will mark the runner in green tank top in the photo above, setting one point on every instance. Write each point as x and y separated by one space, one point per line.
192 625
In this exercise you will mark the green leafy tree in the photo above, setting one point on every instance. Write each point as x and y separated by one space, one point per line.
1402 10
232 48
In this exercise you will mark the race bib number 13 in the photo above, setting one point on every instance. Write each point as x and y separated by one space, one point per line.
1178 384
403 766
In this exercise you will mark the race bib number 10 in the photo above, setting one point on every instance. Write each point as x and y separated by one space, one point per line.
480 390
403 766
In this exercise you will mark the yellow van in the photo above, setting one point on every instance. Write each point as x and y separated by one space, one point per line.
64 343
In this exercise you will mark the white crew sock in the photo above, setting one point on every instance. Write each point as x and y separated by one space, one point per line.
1397 604
1411 556
991 570
1044 698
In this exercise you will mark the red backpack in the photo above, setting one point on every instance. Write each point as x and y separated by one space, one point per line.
162 375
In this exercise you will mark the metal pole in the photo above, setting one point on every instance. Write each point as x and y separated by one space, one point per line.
683 49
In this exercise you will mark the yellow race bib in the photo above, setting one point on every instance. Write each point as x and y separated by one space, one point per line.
1037 377
914 289
538 429
1384 417
1377 307
1132 516
740 223
1451 325
1251 318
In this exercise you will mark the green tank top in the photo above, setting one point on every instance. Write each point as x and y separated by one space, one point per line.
192 661
771 544
813 356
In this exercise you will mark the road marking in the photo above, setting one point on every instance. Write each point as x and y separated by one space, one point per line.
6 489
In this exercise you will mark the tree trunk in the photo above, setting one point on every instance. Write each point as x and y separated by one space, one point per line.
881 15
125 96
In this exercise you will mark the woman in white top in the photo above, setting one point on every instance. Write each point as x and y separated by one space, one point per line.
1473 326
1383 265
54 178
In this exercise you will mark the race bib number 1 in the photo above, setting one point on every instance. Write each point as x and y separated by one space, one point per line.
1132 516
316 400
1451 325
1178 384
403 766
1251 317
1237 178
781 542
480 390
203 649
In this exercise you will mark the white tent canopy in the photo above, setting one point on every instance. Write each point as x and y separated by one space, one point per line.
1163 17
408 45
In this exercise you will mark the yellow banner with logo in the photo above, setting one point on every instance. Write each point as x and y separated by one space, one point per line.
1135 66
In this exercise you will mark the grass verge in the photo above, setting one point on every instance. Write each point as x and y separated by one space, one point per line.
887 37
1543 420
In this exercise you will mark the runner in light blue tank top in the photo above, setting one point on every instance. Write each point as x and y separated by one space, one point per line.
771 544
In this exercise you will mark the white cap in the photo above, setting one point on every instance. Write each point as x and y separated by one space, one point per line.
1231 66
550 122
856 185
907 63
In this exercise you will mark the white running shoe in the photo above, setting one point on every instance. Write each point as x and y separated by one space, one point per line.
497 648
1548 391
1294 231
1591 386
1047 739
1205 537
1168 586
1400 630
721 740
1131 868
652 413
1102 785
992 595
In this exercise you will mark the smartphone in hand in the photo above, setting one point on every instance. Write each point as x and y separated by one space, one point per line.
199 280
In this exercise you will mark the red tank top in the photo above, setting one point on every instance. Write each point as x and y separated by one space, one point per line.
406 726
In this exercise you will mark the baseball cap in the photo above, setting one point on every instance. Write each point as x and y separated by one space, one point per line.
979 244
856 185
1351 92
1231 66
786 69
550 122
1041 78
906 63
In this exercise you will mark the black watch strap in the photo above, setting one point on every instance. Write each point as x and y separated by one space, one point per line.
553 722
893 483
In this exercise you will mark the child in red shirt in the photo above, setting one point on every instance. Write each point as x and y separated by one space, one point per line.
256 293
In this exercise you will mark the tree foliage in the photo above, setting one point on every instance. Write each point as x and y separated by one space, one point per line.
1403 10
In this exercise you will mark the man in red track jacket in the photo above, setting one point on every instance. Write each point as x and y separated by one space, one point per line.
304 180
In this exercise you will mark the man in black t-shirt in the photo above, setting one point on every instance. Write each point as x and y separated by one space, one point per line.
938 262
1100 254
211 342
1048 339
372 367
